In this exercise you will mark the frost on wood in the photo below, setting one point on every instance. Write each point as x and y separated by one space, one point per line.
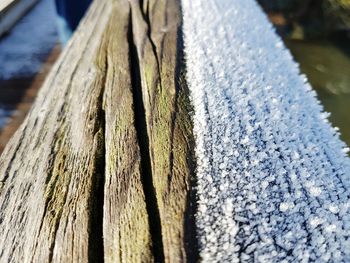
273 175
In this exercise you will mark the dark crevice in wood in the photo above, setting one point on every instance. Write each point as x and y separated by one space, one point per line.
145 16
191 241
143 141
96 249
96 244
142 5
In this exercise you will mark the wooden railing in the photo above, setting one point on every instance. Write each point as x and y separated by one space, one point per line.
102 165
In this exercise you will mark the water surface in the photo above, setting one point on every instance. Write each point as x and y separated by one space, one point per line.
326 63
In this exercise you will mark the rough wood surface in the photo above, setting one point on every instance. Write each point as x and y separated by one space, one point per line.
126 229
158 45
101 168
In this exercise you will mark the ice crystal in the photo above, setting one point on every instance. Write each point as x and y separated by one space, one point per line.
273 175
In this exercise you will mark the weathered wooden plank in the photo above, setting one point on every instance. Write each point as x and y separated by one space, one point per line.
126 230
101 168
49 170
52 171
156 28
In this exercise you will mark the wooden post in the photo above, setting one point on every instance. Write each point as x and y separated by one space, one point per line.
102 167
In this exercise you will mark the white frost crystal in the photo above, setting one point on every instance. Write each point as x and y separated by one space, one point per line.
273 175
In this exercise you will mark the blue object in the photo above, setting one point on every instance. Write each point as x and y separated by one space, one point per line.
69 14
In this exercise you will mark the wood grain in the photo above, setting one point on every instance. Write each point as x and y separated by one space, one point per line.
101 168
49 170
169 128
126 230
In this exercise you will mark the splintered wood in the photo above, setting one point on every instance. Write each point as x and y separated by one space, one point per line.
101 169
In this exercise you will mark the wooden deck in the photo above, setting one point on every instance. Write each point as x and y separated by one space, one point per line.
11 11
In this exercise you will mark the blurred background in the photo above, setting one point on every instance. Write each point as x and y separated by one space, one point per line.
317 32
33 33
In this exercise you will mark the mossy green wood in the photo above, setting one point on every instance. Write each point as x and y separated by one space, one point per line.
53 169
81 181
156 29
125 222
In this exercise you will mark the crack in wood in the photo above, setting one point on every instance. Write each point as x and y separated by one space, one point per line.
142 136
96 244
145 16
117 184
